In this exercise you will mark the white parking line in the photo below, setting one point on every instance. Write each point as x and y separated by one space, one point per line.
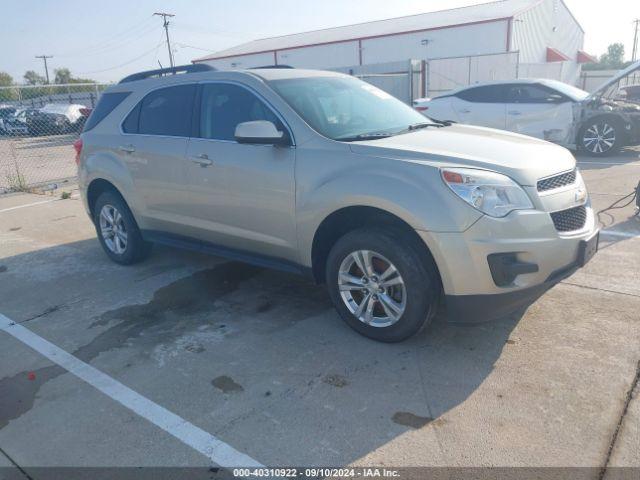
28 205
615 233
36 203
215 449
631 164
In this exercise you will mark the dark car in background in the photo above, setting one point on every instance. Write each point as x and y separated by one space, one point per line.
57 118
6 113
15 125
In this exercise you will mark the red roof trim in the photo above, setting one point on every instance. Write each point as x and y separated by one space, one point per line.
554 55
355 39
584 57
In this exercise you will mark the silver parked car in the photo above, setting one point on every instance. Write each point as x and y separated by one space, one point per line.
320 173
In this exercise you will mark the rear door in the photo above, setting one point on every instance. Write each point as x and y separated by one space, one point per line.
484 106
241 196
153 146
539 111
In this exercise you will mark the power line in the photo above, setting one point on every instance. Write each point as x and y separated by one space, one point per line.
184 45
116 39
114 44
155 48
46 68
165 24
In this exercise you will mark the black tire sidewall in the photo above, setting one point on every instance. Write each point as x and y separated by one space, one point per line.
617 145
421 283
136 247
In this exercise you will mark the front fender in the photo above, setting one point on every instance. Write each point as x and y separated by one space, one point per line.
412 192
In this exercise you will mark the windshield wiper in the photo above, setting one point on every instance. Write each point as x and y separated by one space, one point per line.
363 137
418 126
445 123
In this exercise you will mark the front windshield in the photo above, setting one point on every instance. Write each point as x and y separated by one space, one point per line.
345 108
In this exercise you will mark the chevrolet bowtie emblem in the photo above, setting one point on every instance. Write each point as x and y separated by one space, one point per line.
581 194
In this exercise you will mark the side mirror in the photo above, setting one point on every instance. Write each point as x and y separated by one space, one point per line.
260 132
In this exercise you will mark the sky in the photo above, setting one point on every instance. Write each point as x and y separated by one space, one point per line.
109 39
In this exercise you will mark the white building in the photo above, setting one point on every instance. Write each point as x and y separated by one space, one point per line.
545 34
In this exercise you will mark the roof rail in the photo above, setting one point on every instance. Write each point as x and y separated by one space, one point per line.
160 72
271 66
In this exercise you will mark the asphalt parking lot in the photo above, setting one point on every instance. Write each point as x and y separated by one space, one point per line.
189 360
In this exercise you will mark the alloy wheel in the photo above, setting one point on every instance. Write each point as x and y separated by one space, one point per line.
113 230
372 288
599 138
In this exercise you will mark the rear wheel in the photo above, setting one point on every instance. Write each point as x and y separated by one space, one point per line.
118 231
381 285
600 137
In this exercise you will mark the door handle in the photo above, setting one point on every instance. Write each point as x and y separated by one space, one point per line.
127 148
203 160
514 112
465 111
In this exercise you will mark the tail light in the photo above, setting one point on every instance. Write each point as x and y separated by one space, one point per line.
77 145
85 112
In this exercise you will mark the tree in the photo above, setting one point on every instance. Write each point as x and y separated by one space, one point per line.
33 78
6 80
612 60
62 75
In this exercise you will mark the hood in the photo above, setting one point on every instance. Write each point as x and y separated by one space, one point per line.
525 159
617 77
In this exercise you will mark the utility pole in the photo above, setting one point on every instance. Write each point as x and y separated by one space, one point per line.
165 24
634 51
46 69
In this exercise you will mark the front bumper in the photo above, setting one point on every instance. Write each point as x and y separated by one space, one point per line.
471 290
483 308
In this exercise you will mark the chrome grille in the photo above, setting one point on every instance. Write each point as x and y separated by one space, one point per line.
570 220
557 181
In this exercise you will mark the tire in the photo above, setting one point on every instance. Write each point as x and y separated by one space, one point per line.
600 137
127 249
416 297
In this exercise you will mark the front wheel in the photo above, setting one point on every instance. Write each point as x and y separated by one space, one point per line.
600 137
381 285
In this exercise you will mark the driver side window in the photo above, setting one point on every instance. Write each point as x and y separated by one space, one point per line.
224 106
533 94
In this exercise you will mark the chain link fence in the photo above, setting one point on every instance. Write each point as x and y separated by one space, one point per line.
38 125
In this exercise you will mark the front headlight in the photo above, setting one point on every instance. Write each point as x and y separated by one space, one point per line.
490 192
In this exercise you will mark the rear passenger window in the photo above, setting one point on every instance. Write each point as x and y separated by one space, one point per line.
486 94
166 111
106 104
224 106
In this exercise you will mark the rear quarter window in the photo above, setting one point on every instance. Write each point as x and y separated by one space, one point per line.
107 103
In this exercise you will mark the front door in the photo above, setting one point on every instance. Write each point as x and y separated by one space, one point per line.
240 196
540 112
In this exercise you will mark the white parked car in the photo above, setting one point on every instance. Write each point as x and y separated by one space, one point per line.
599 123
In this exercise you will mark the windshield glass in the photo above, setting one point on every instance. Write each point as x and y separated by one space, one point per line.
570 91
343 108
